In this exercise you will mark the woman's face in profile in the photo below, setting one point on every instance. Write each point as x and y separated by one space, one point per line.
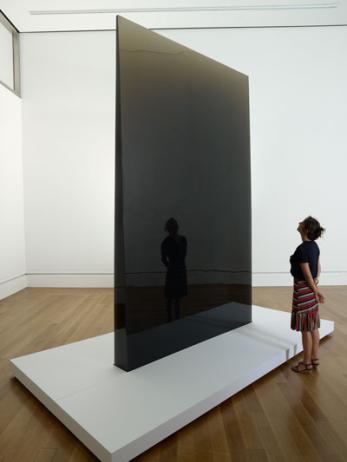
301 227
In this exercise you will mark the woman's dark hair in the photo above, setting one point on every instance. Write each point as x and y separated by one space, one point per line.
171 225
313 228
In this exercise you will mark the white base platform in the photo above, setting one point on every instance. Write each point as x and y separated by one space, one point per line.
119 415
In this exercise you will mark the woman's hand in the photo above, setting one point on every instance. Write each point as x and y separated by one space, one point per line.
305 268
320 297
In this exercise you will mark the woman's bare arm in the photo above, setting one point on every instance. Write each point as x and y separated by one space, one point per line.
305 268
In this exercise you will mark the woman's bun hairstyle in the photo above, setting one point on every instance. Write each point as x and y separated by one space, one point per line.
313 228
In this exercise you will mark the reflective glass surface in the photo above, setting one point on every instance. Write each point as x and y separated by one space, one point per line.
183 198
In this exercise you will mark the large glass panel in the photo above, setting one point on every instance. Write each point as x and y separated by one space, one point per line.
183 198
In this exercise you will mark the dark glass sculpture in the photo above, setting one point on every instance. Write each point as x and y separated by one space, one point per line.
183 198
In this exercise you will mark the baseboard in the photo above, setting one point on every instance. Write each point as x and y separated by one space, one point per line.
285 279
13 285
107 279
70 280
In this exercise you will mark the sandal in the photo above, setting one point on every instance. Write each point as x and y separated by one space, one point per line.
315 362
302 367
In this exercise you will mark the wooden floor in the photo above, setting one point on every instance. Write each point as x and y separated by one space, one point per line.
282 417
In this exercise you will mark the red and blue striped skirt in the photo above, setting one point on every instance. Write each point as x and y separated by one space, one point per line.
305 309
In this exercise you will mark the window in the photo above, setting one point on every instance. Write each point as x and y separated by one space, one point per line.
9 55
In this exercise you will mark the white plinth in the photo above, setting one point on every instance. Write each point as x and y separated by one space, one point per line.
119 415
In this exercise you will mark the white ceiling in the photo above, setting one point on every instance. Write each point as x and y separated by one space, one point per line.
59 15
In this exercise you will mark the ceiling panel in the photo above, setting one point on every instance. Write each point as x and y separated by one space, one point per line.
61 15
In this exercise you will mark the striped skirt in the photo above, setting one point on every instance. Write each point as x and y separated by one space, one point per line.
305 309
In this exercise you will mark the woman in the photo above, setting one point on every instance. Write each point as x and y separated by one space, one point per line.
173 255
305 268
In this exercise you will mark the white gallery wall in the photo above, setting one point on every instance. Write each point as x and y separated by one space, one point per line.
12 247
298 106
298 110
68 91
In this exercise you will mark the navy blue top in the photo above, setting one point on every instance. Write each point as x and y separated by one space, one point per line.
307 252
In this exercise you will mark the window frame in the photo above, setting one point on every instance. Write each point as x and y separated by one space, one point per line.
4 21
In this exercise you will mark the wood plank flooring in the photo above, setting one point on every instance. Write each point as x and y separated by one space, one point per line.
282 417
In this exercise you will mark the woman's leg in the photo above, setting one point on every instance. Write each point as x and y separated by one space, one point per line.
315 344
177 308
307 344
306 364
169 309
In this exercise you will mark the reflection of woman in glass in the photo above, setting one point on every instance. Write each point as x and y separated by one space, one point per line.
173 254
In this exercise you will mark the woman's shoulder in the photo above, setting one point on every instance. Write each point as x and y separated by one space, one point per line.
316 246
306 246
309 243
312 244
311 247
166 240
300 247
